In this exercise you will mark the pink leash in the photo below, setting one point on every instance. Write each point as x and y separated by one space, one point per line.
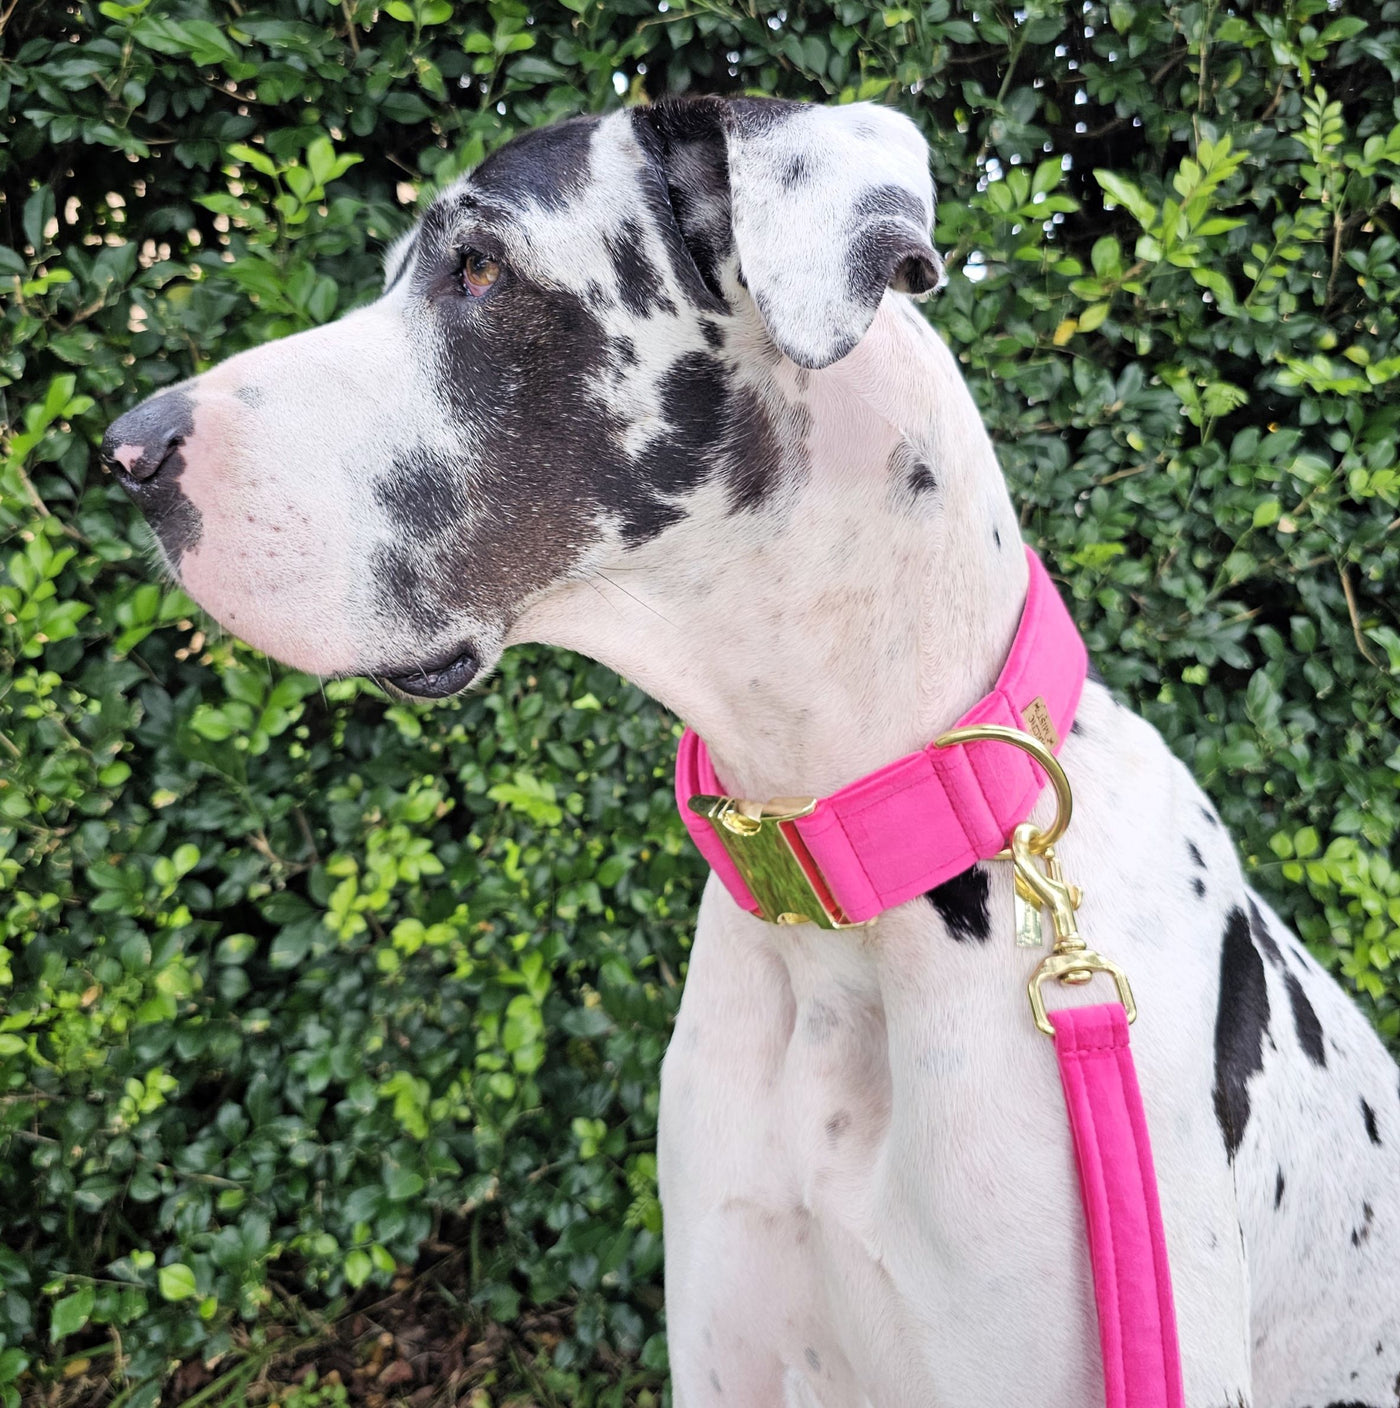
886 838
1127 1247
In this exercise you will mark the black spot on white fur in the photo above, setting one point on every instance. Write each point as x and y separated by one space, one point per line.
1363 1232
638 280
1278 1190
962 905
921 480
1259 931
424 494
405 589
1368 1118
1241 1020
837 1125
1305 1022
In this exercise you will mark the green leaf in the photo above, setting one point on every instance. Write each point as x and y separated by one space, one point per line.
177 1282
38 212
357 1262
71 1313
402 1184
1124 192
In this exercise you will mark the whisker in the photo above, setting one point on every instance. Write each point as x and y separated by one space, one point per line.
637 599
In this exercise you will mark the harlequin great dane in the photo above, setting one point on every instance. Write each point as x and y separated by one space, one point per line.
648 386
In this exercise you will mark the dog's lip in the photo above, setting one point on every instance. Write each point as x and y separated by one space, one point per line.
437 677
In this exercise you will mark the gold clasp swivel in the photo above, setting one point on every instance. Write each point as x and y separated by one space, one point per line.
1071 960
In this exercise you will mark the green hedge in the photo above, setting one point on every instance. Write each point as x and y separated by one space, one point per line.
293 978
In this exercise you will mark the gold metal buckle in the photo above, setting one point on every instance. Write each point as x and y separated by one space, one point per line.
758 838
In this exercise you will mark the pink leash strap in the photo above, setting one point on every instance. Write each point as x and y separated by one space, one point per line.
1127 1248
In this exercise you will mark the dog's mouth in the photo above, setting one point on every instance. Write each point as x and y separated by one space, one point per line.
437 677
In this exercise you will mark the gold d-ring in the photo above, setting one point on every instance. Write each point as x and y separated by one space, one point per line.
1027 743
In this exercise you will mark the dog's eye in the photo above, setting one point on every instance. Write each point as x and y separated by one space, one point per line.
479 272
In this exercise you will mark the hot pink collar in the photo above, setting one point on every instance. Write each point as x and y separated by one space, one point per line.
899 831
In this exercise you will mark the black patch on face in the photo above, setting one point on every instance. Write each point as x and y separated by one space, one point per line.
1305 1022
638 282
1241 1019
713 425
962 905
1263 938
1194 852
691 393
1199 886
546 454
1278 1190
177 522
519 370
714 334
424 493
754 470
405 589
1368 1118
546 166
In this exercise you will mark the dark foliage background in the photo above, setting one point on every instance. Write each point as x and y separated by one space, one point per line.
294 981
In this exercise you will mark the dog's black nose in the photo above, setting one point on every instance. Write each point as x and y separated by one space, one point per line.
145 441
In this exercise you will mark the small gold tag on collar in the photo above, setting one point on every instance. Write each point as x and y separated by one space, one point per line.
1039 724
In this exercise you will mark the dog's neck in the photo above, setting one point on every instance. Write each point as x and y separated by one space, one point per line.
848 620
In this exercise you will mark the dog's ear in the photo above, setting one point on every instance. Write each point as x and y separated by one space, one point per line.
826 207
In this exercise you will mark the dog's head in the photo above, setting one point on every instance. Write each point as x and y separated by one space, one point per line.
572 342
